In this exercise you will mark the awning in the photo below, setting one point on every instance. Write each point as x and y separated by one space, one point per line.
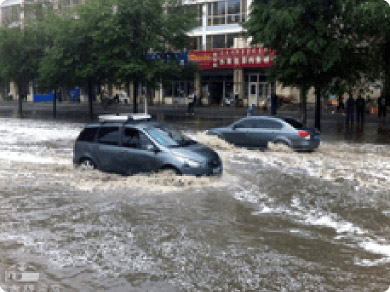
7 3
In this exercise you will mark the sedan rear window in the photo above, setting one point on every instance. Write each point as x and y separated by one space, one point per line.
294 123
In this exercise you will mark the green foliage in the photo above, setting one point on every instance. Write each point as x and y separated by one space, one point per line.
310 39
373 27
107 41
20 54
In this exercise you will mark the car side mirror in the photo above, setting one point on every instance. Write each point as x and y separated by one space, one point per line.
152 148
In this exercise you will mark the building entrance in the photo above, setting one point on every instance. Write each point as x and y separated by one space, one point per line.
218 84
259 90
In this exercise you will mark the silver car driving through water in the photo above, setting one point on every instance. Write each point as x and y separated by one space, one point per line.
258 131
129 144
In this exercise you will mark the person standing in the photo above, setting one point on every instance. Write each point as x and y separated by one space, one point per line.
274 104
360 109
382 107
350 109
191 104
125 97
250 110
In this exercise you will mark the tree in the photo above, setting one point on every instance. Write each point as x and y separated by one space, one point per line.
57 67
139 27
311 41
20 54
107 41
372 18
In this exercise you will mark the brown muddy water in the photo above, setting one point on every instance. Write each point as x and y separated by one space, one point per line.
275 221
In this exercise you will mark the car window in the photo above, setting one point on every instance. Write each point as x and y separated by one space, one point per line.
244 124
134 138
169 137
294 123
88 134
109 135
267 124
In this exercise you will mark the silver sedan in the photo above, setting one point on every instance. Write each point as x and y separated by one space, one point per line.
258 131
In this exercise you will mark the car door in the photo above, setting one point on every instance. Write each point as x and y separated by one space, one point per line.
238 133
138 152
108 152
263 131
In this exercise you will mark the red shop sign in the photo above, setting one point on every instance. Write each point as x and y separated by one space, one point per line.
233 58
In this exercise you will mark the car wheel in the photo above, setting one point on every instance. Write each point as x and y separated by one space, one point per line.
87 164
282 143
169 171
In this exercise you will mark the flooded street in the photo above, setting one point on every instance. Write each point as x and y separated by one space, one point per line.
275 221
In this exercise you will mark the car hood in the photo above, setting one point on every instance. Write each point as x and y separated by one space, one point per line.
197 152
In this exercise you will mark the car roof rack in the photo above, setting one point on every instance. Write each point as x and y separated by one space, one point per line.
124 118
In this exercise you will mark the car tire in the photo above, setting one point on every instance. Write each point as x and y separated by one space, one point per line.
170 171
281 143
87 164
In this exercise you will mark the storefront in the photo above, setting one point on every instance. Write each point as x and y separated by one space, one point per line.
217 85
227 73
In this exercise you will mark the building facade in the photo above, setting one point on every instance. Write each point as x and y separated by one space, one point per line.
230 69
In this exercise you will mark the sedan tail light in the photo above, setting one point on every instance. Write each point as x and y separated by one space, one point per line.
304 135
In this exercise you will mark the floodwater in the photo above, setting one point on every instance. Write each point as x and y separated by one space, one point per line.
275 221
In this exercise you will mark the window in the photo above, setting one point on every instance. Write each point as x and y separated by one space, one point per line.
218 41
223 41
253 89
267 124
88 134
244 124
195 43
134 138
219 8
169 137
233 11
226 12
233 6
109 135
294 123
230 40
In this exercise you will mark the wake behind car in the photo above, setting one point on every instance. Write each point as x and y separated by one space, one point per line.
258 131
133 143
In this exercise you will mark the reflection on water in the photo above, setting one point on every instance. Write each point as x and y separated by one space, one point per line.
275 221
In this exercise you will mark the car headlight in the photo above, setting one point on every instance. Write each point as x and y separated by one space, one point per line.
188 162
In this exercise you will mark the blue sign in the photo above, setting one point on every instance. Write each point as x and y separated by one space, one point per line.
180 58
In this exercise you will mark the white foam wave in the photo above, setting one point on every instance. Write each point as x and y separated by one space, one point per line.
11 156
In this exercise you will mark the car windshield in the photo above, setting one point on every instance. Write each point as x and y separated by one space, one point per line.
169 137
294 123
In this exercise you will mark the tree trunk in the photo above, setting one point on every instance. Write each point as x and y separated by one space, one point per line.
55 104
386 85
90 99
135 92
303 93
20 100
318 108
